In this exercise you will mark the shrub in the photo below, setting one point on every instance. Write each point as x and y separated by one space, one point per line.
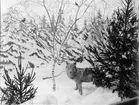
20 88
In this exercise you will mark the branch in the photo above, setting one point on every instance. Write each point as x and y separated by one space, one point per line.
76 19
76 15
29 14
35 53
47 12
54 76
59 14
85 10
6 50
35 37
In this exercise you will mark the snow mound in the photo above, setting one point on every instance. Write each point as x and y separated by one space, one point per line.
65 93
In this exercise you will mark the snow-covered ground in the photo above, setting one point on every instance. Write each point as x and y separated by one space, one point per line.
65 93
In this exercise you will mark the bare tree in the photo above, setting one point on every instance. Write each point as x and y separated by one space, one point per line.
48 36
57 44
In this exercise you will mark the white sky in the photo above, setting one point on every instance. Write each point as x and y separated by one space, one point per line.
111 5
5 4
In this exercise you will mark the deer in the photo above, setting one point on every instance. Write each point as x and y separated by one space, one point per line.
79 75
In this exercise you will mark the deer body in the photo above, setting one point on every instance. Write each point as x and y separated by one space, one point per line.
79 75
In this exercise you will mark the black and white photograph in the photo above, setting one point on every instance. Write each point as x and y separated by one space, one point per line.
69 52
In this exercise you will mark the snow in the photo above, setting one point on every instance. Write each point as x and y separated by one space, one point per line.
65 93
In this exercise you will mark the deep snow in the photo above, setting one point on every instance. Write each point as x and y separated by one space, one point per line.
65 93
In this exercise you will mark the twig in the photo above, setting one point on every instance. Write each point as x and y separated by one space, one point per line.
75 21
54 76
47 12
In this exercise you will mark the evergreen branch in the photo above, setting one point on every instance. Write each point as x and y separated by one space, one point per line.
6 50
35 53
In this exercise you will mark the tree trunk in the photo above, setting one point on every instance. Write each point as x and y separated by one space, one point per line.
53 76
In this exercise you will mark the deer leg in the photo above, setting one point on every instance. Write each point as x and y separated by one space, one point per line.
80 88
76 88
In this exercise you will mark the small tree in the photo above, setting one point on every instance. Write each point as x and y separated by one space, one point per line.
116 56
20 89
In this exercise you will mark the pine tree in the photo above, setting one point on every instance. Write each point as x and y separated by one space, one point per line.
20 89
20 37
116 57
